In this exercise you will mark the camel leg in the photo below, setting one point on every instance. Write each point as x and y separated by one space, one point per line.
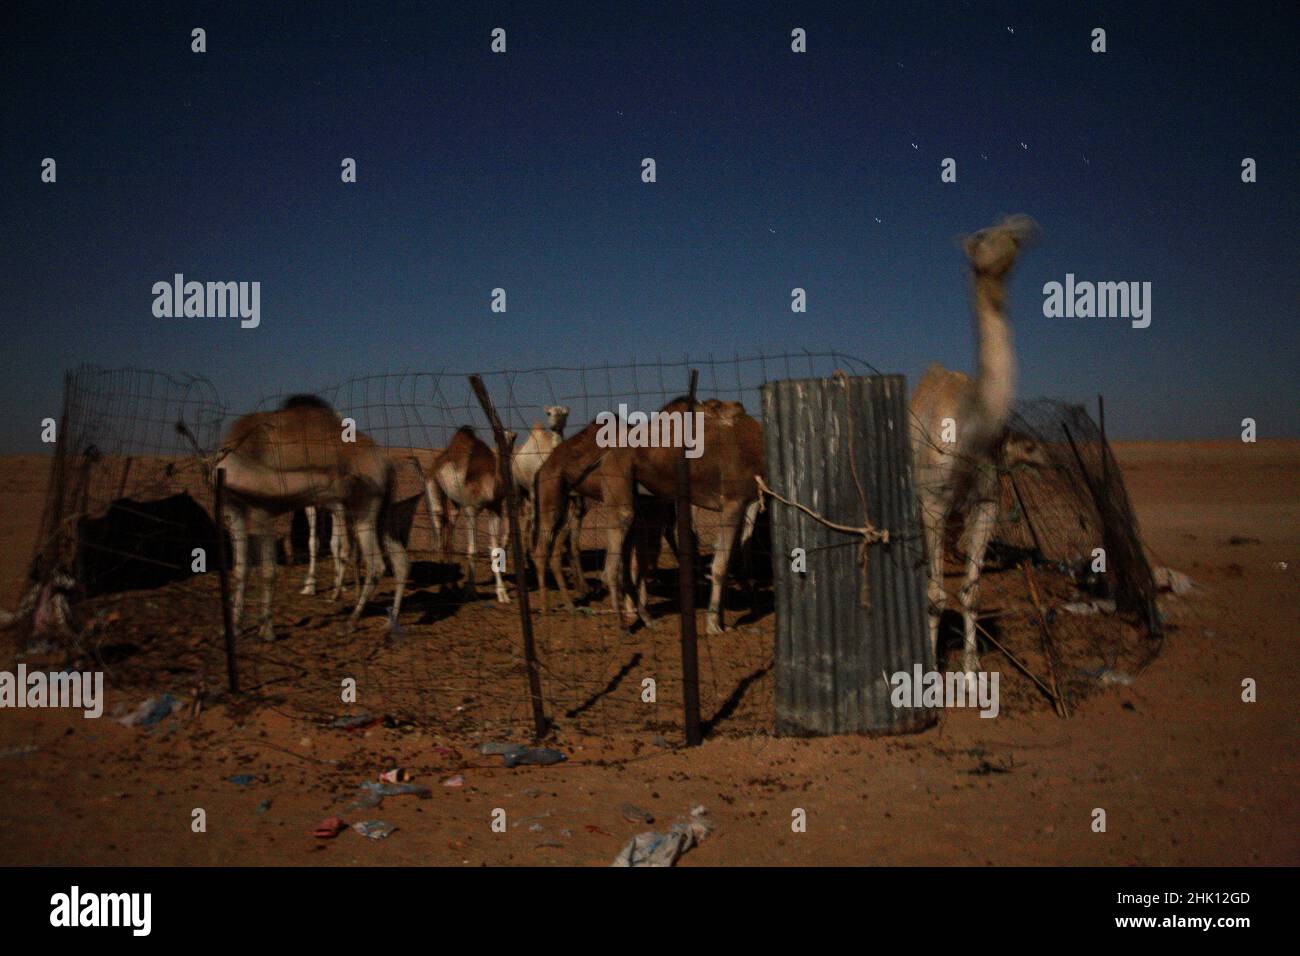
615 540
401 563
933 520
574 531
239 538
733 513
339 548
309 585
368 542
494 538
267 629
471 551
982 519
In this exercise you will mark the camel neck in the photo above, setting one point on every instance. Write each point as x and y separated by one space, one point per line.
995 377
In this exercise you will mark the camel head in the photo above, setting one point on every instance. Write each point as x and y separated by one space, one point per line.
556 417
1023 451
993 251
726 412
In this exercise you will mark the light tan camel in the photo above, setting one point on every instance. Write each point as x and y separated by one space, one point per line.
722 480
466 476
529 458
277 462
959 426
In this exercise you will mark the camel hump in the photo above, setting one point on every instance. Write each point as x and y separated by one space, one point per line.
306 400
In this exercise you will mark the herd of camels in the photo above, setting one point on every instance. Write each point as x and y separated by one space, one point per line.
294 458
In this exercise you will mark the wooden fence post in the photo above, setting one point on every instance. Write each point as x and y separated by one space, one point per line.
504 447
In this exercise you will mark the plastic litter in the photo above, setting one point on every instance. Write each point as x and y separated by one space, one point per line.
151 711
329 828
634 814
396 775
374 829
243 779
456 781
665 849
1167 579
1089 607
355 722
534 756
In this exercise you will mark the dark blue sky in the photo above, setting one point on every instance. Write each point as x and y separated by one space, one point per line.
775 170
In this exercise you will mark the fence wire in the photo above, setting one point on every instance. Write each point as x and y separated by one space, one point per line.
129 502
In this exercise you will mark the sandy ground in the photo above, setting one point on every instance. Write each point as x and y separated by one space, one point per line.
1186 771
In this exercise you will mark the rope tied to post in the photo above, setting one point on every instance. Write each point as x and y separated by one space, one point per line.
868 532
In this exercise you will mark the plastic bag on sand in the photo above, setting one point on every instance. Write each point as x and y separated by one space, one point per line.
664 849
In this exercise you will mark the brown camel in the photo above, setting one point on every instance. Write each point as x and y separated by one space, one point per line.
296 457
722 479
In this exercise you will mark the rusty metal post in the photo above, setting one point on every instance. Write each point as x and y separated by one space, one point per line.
504 447
218 513
686 590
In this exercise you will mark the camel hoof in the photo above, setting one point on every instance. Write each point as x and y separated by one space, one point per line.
970 663
394 627
503 598
308 589
714 628
267 633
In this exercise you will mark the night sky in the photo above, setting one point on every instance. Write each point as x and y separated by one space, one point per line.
775 170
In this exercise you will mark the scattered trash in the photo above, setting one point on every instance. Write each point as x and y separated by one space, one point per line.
660 741
984 768
329 828
532 792
1279 565
536 828
1106 676
665 849
634 814
1089 607
264 806
396 775
1167 579
19 751
495 749
456 781
371 794
151 711
243 779
374 829
355 722
535 756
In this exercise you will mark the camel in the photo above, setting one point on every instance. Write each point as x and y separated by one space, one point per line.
531 455
466 474
722 480
959 479
566 483
295 457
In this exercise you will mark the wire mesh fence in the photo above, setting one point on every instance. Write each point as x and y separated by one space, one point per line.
116 580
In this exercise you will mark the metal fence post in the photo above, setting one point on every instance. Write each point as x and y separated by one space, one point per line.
540 724
218 510
686 590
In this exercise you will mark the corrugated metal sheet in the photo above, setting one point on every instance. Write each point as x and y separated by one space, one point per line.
833 656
